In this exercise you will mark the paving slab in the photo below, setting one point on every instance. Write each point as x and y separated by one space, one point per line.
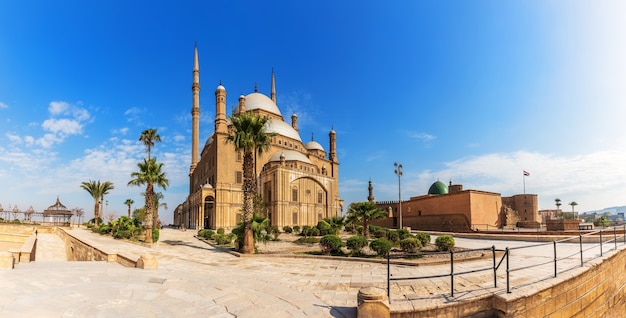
195 279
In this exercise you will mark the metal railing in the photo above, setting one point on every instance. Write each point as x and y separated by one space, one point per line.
606 237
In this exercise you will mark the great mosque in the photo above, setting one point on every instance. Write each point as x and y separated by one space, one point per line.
297 181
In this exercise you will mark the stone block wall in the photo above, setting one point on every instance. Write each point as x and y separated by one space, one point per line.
598 291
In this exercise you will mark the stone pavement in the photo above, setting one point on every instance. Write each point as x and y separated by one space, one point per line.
195 279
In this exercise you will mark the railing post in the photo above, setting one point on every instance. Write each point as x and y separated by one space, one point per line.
615 237
554 243
580 242
495 277
452 273
388 278
600 243
508 286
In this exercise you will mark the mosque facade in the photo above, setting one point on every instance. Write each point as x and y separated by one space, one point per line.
297 182
450 208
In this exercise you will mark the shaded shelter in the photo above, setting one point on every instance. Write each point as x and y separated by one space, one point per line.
57 214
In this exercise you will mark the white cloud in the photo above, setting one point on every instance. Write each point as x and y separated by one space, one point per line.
62 126
57 108
424 137
3 105
594 180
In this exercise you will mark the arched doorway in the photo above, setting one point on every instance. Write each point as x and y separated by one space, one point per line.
209 212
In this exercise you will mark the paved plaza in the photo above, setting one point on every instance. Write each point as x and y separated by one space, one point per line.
194 279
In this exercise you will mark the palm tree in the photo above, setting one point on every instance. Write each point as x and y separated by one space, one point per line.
573 204
157 204
364 212
129 202
150 174
148 137
558 203
248 136
97 190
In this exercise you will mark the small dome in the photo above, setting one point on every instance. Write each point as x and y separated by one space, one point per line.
290 155
260 101
438 188
220 88
207 186
209 140
313 145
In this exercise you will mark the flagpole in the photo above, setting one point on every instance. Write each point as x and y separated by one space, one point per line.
524 178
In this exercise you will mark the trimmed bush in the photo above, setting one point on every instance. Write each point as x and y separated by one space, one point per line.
359 230
444 242
305 230
104 229
411 245
423 237
296 229
287 229
206 234
220 231
403 233
155 235
356 243
393 236
381 246
224 239
324 228
330 244
374 228
379 233
274 231
349 228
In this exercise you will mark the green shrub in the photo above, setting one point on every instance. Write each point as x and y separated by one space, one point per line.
381 246
330 244
104 229
356 243
313 232
220 231
444 242
423 237
287 229
411 245
16 221
403 233
224 239
155 235
324 228
296 229
349 228
393 236
206 234
379 233
359 230
374 228
305 230
123 234
275 232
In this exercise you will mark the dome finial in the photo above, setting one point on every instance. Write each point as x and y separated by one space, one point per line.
256 89
312 137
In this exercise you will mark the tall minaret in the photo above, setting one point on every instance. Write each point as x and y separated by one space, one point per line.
370 198
273 94
195 112
332 156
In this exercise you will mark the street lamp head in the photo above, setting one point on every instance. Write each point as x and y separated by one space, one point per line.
398 170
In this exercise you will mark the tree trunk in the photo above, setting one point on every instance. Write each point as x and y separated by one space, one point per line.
149 214
248 242
248 191
95 212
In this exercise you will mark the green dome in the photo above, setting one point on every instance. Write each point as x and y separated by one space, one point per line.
438 188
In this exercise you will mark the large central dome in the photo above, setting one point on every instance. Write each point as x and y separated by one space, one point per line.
260 101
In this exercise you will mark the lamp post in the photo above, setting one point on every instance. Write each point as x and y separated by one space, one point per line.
398 172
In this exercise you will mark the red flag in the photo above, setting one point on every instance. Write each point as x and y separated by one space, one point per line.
526 173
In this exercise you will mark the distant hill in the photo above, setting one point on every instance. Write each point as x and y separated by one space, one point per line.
613 210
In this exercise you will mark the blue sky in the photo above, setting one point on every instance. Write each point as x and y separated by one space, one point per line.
472 91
